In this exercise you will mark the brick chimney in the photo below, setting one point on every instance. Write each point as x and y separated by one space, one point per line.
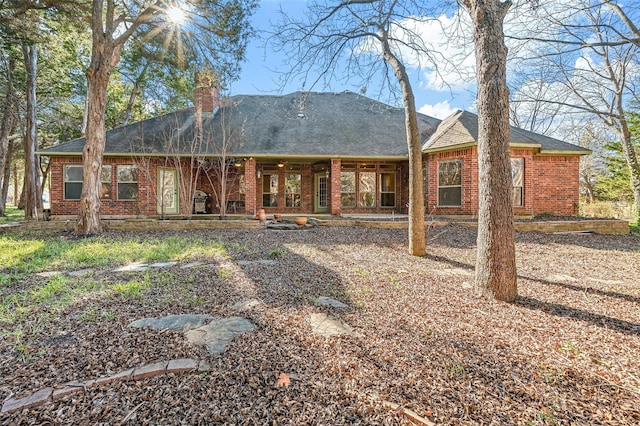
207 94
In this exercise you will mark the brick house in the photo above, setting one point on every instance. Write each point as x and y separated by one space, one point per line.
303 153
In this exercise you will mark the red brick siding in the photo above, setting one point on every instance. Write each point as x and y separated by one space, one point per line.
550 183
556 188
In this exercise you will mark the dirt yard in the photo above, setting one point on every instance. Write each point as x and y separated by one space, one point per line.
567 352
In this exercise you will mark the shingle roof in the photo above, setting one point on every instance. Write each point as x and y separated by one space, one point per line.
461 129
298 124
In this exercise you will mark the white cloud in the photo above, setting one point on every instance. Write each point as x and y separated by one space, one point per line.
440 110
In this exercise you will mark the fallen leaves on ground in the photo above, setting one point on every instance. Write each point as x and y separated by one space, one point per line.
567 352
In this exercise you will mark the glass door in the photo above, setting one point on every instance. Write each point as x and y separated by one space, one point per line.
167 191
321 191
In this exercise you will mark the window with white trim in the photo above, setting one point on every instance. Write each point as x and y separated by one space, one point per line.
450 183
127 182
517 177
73 181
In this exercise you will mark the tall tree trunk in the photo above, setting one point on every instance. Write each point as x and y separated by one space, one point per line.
105 53
495 262
16 192
32 189
89 218
6 173
6 127
417 236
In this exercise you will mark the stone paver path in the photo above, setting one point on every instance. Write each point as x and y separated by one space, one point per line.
216 335
172 322
326 325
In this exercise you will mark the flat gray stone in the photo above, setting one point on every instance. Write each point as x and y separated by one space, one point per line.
246 304
191 265
80 272
172 322
132 267
216 335
264 262
325 325
162 264
328 301
48 274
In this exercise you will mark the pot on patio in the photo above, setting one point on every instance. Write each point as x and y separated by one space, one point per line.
301 221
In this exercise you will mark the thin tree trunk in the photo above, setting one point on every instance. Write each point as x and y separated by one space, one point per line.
16 192
417 236
495 262
134 94
32 194
634 167
6 127
6 173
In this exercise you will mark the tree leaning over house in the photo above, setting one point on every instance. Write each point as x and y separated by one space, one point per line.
372 36
495 263
112 26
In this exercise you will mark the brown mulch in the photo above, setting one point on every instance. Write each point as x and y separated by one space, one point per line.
567 352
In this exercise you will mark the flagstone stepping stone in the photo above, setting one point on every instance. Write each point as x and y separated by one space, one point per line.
80 272
326 325
172 322
246 304
264 262
48 274
132 267
328 301
162 264
216 335
191 265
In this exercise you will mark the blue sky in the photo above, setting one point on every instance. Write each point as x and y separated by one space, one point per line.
260 72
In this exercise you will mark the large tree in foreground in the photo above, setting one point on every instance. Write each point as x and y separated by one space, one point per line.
218 31
495 262
370 36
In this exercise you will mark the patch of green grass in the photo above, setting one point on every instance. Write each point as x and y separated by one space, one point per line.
454 369
28 253
131 289
12 214
90 314
224 273
275 253
55 287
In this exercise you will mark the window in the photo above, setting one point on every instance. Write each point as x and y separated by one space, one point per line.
387 189
270 191
241 187
127 182
517 177
73 181
450 183
367 190
348 189
105 179
292 189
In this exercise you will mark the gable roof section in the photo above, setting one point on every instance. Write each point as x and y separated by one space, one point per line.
300 124
460 130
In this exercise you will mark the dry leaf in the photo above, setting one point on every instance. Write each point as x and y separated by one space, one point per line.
283 380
